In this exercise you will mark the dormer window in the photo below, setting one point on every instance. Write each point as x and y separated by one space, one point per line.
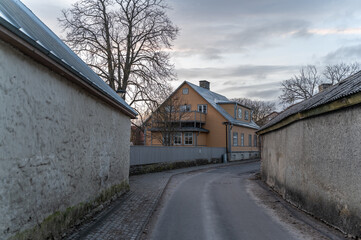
240 113
246 115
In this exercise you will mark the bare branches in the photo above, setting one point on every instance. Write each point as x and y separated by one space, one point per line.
166 120
304 85
124 42
260 109
300 87
337 72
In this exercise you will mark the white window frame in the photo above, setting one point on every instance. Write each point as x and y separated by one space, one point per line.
239 113
202 108
185 108
235 139
246 115
186 138
177 135
242 139
185 91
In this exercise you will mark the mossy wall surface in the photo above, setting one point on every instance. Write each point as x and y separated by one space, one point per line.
315 164
59 145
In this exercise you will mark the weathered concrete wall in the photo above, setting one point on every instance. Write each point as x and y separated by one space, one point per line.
235 156
316 164
59 146
140 155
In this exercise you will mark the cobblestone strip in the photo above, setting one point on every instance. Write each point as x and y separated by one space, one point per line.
126 217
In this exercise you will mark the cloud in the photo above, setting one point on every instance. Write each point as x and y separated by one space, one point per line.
329 31
264 33
212 42
252 81
266 95
263 91
344 54
256 71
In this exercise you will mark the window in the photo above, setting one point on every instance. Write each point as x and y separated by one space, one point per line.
239 112
235 139
202 108
178 138
185 91
242 139
188 138
169 108
166 139
246 115
249 140
255 141
185 108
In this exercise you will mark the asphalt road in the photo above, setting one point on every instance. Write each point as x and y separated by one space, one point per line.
215 204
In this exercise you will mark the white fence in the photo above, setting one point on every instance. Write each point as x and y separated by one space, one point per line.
140 155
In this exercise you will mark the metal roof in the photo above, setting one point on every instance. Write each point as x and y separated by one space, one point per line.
346 87
183 129
17 18
215 99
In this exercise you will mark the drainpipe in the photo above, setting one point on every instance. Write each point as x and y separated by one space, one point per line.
228 141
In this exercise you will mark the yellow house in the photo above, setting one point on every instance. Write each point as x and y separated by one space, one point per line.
195 116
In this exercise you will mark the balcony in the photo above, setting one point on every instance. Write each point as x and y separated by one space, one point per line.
180 119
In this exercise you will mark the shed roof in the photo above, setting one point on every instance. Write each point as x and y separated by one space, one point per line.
214 99
347 87
21 21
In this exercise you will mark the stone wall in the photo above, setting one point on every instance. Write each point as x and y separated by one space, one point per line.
59 146
316 164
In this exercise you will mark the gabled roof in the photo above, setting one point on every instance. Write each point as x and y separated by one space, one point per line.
19 20
214 99
345 88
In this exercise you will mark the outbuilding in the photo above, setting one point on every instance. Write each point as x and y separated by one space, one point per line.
64 134
311 154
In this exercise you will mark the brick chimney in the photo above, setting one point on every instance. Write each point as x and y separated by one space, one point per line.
204 84
324 86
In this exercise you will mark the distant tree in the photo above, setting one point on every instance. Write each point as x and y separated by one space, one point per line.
301 86
124 42
337 72
260 109
166 120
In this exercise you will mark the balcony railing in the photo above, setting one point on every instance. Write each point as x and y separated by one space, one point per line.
179 117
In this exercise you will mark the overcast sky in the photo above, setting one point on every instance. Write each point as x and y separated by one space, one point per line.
245 48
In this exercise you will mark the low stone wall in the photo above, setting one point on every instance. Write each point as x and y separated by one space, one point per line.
315 164
62 151
244 155
144 155
159 167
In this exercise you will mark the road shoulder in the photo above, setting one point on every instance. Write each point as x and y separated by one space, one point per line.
303 225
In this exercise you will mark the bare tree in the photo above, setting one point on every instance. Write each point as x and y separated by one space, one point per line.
337 72
260 109
166 120
300 87
124 42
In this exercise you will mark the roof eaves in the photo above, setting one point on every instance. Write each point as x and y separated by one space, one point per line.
27 39
344 94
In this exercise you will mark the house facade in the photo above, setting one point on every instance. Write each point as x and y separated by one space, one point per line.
195 116
311 152
64 134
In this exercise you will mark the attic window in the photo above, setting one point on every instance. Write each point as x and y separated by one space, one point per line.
240 113
185 91
246 115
